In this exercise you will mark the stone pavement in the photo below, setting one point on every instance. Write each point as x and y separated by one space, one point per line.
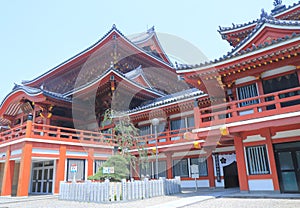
188 198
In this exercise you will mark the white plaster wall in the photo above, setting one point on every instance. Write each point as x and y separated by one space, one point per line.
261 185
219 184
191 183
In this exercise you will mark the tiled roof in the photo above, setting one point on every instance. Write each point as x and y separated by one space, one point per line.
283 8
114 28
235 51
155 91
168 99
14 107
141 37
275 11
236 26
260 24
35 91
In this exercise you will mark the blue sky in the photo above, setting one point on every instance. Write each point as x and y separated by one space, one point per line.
38 35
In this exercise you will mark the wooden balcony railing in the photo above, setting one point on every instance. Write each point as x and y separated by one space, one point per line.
14 133
58 133
61 133
285 101
41 131
163 138
256 107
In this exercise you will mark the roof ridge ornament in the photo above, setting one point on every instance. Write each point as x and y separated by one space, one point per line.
263 14
151 29
278 6
277 3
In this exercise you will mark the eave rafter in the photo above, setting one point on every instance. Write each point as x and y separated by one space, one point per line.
230 71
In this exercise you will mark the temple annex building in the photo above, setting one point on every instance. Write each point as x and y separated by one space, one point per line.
237 118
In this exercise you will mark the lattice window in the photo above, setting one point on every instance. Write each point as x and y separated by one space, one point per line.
245 92
257 159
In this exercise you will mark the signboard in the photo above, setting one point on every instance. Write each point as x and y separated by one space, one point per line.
108 170
195 171
73 168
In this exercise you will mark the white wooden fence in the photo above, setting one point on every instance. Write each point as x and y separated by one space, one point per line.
122 191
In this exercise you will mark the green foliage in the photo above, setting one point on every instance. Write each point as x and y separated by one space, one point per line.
120 165
126 135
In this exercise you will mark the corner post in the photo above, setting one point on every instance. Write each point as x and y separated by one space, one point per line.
7 180
241 163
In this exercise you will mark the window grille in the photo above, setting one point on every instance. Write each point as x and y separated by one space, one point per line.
257 160
245 92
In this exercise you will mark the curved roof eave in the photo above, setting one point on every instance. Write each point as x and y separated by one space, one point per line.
236 27
113 29
240 55
278 24
168 100
104 74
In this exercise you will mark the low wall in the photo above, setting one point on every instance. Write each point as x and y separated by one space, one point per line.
122 191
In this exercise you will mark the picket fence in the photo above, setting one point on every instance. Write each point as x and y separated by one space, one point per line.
121 191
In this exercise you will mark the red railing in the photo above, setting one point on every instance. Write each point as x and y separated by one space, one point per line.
58 133
256 107
41 131
61 133
166 137
14 133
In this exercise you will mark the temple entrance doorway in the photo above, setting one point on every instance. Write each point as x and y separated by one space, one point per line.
231 179
42 177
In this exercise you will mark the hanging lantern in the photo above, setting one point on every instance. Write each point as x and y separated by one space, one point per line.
197 145
154 150
224 131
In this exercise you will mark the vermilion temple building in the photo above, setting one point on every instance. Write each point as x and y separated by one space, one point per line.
236 117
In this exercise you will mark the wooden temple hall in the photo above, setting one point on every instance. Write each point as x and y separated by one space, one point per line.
237 117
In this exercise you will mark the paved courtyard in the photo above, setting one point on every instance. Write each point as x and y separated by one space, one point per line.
246 203
218 198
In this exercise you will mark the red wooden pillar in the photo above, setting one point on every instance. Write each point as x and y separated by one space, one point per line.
211 172
90 162
197 118
169 165
25 169
241 164
260 86
298 73
272 161
7 180
60 167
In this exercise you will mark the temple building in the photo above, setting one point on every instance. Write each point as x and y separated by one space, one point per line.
235 119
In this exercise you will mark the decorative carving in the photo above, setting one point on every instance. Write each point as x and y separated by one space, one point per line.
277 2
